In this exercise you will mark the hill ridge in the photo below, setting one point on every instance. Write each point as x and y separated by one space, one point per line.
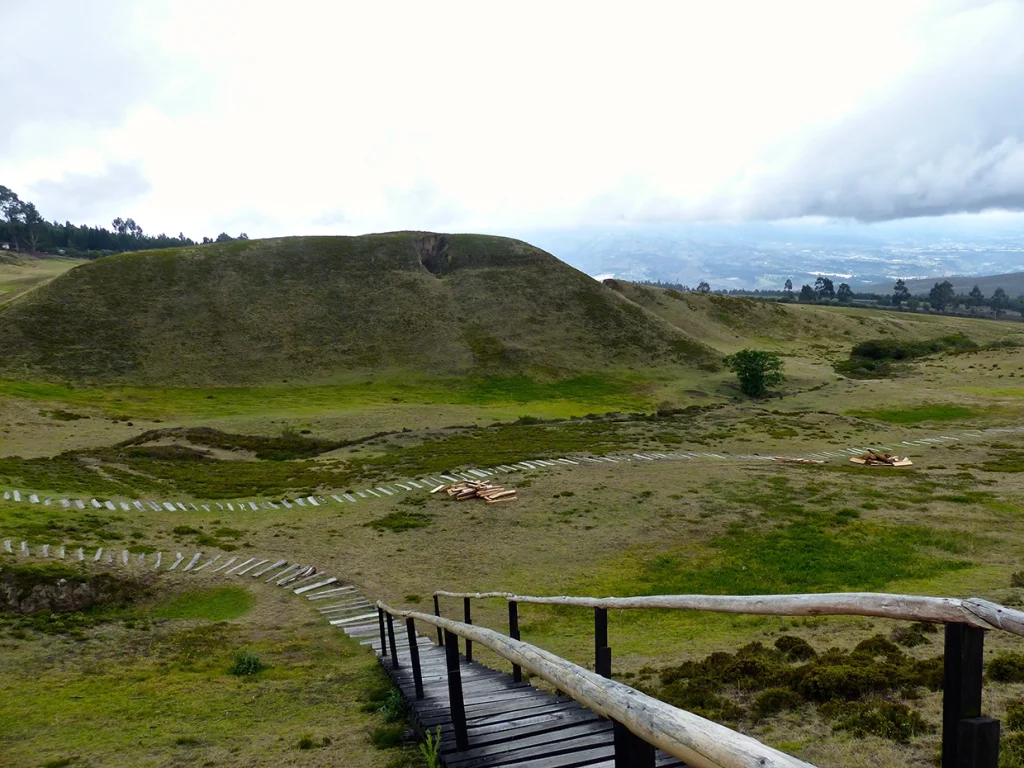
315 308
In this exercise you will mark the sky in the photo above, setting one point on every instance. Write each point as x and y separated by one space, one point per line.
348 117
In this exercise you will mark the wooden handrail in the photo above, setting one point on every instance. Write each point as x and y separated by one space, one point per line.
693 739
972 611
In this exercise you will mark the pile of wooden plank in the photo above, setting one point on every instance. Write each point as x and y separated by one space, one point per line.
876 459
469 489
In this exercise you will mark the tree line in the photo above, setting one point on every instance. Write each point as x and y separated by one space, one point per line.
942 297
23 228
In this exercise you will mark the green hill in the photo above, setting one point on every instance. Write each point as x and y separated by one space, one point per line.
1012 283
319 308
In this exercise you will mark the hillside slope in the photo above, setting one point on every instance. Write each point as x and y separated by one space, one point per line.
729 323
316 308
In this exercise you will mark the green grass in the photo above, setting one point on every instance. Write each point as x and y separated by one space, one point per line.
573 396
921 413
803 558
214 604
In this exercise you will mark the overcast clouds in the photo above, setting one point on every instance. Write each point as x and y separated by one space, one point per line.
350 117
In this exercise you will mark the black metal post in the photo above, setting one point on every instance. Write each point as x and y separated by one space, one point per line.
456 701
383 639
513 632
967 738
414 657
391 642
469 620
630 750
437 612
602 653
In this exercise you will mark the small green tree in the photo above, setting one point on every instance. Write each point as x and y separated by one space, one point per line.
757 370
845 292
900 293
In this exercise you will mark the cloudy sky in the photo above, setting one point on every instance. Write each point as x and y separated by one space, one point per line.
347 117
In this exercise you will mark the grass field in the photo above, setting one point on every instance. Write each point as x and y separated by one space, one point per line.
950 525
19 274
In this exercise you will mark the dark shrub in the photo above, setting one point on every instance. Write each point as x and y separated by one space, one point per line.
795 648
886 719
773 701
1007 668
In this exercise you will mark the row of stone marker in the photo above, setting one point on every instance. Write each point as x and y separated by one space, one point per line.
429 482
349 609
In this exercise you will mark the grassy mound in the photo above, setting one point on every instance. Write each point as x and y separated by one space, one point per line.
317 308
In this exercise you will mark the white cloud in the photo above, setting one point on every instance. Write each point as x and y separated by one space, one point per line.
326 117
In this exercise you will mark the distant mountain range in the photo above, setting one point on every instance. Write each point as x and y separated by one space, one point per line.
1012 283
759 255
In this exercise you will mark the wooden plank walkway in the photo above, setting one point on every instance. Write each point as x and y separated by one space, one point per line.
509 723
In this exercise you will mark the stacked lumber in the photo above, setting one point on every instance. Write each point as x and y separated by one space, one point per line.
469 489
876 459
788 460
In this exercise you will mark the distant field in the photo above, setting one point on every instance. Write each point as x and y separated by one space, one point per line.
18 274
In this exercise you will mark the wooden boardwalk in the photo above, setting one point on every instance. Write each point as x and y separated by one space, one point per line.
510 723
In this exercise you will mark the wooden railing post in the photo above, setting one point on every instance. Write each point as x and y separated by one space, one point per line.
469 620
391 642
414 657
968 739
456 701
630 750
437 612
602 653
513 632
383 639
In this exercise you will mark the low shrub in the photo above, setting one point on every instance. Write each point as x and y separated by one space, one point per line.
885 719
246 664
1007 668
773 701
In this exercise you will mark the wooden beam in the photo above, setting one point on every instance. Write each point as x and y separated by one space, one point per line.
973 611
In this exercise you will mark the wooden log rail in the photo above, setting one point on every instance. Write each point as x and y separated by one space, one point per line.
968 739
700 743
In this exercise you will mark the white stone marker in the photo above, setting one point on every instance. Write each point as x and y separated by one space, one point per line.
285 502
300 502
224 565
349 496
7 495
230 507
254 565
209 562
206 507
17 496
253 506
46 550
159 557
241 565
176 562
155 507
47 501
311 587
138 505
182 507
80 554
7 546
79 503
169 507
110 505
125 506
34 499
269 568
65 503
142 557
24 548
193 561
124 557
